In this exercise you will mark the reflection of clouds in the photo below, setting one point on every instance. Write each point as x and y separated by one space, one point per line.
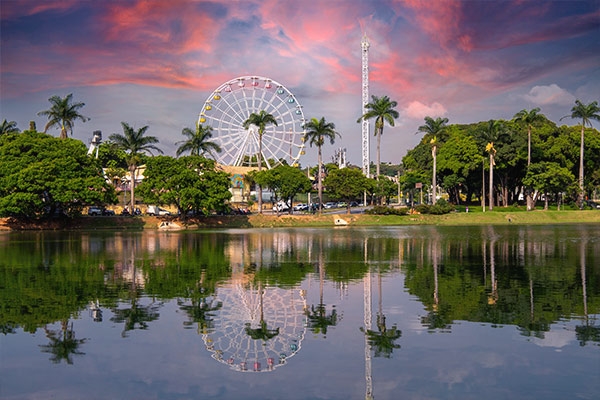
453 376
555 338
490 360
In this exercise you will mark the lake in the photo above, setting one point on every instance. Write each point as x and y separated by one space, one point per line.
412 312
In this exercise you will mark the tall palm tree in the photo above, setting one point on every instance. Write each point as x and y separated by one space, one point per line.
316 133
585 112
382 109
260 121
434 127
491 134
528 118
198 141
134 143
8 127
63 113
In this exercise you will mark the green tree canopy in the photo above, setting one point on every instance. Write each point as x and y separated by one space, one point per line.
191 183
285 181
40 174
346 184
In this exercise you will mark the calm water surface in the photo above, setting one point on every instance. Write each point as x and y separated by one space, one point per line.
346 313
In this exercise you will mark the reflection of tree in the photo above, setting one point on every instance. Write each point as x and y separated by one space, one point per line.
587 332
383 340
62 344
436 319
263 332
318 319
201 312
135 317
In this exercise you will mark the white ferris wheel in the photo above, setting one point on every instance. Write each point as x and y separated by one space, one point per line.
231 104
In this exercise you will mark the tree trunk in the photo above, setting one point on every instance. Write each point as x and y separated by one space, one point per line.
132 175
581 166
434 179
491 179
320 182
260 203
378 150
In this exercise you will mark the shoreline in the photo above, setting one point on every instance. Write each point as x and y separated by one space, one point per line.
118 223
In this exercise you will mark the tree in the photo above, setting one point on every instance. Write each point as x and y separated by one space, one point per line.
63 113
490 134
285 181
434 127
528 118
316 133
134 143
346 184
259 121
8 127
198 142
549 177
191 183
382 109
41 175
587 113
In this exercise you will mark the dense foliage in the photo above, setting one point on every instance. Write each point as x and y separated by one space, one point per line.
41 175
190 183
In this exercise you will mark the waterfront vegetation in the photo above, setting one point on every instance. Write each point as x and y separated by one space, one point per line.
528 161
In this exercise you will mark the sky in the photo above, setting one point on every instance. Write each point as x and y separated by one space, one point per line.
156 62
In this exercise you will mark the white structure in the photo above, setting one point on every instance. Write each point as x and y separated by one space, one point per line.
364 44
95 143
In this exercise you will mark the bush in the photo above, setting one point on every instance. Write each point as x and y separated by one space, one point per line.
384 210
441 207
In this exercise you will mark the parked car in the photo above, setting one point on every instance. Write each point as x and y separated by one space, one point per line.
592 204
155 210
281 206
301 207
106 211
93 210
330 204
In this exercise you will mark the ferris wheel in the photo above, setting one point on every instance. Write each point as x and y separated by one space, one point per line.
231 104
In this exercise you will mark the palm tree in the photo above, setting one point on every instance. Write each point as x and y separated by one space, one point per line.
434 127
8 127
198 141
528 118
260 121
585 112
382 109
63 113
316 133
491 134
134 143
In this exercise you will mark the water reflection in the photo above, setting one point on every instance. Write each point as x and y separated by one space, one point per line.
254 299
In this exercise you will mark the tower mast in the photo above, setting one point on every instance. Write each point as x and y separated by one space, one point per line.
364 44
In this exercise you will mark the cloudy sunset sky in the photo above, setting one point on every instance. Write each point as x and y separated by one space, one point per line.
155 62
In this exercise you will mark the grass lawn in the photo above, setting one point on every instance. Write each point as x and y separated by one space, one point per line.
475 216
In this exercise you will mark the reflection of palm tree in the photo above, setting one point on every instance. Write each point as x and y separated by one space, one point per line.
263 332
62 346
136 317
585 332
318 320
383 340
435 319
202 313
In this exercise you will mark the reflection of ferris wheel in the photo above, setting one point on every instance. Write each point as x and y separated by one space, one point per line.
256 330
231 104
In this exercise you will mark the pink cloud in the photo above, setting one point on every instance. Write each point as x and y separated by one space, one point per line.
418 110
